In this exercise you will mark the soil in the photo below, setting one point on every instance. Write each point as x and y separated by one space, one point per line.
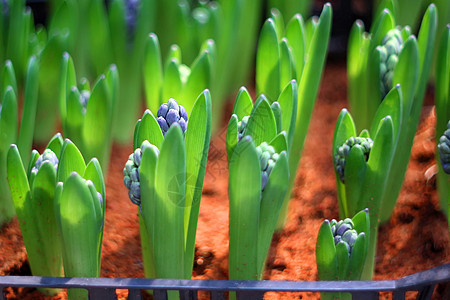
415 239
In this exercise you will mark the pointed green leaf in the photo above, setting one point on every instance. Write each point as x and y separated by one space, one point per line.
243 104
244 191
198 80
78 223
170 185
70 161
357 258
288 101
73 123
232 135
355 170
67 81
29 109
198 136
94 173
267 62
287 70
8 78
295 34
271 202
149 130
8 121
153 74
326 259
279 143
342 259
261 125
172 81
56 144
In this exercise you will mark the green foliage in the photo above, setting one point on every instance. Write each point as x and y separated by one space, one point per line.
87 115
171 173
256 195
411 72
341 250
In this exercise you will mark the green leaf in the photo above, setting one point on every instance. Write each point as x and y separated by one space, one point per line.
94 173
96 128
355 171
8 78
170 185
380 27
357 258
261 125
326 258
198 80
99 36
149 130
391 106
8 121
78 223
118 29
342 259
287 68
56 144
279 143
295 34
243 104
345 128
153 73
232 135
29 109
244 191
198 136
406 73
70 161
267 62
271 202
288 101
74 117
172 81
48 239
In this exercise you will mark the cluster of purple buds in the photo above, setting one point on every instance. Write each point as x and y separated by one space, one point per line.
241 127
390 49
267 157
131 172
343 151
49 156
343 232
170 113
444 149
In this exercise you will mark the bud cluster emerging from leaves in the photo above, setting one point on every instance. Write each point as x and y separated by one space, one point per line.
267 157
444 149
49 156
170 113
389 51
343 151
131 172
344 232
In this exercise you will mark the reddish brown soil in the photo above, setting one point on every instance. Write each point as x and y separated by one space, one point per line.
416 238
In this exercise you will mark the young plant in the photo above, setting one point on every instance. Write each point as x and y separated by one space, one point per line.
87 114
9 125
341 250
363 164
442 106
377 62
295 52
255 144
33 193
80 214
175 80
165 176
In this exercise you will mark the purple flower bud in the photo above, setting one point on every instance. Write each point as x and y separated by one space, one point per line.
172 116
162 111
163 124
172 104
183 124
183 113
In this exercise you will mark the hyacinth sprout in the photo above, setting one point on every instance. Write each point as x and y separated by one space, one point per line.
164 177
258 145
341 250
389 50
60 204
363 163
